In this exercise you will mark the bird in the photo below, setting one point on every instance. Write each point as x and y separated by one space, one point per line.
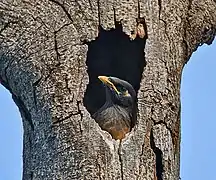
118 114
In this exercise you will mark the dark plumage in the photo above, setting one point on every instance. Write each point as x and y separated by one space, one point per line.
118 115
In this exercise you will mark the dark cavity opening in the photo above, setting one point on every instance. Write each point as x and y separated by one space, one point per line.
112 54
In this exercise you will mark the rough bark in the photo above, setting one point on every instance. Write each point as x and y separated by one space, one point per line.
43 52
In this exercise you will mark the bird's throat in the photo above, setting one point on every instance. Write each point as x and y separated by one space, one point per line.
109 95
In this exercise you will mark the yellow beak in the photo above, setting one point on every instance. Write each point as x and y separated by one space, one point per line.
106 81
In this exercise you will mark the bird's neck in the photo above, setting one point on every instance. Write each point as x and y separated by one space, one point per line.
109 98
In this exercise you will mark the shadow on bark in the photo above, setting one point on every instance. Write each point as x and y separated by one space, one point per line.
112 54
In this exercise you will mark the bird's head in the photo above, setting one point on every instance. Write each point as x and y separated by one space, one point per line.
119 91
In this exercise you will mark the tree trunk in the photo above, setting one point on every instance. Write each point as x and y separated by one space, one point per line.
51 53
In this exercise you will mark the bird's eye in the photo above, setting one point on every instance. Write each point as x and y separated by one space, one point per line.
121 88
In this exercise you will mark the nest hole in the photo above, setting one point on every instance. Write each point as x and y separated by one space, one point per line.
112 54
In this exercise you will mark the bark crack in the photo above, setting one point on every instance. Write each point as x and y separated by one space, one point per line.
90 4
56 46
121 161
65 25
169 129
51 70
34 86
81 116
114 14
63 8
98 6
66 117
164 123
31 175
159 5
158 157
138 8
78 112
